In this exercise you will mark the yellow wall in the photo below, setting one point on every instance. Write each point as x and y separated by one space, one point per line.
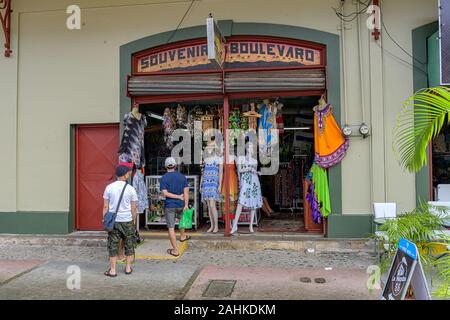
58 77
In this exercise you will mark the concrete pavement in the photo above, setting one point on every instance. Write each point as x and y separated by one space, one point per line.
258 274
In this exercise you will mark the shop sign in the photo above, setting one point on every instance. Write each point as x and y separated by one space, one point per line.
244 54
240 54
406 270
216 43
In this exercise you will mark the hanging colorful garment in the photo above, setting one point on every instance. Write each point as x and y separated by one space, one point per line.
169 125
235 124
267 122
234 189
321 190
141 190
279 118
232 183
132 146
329 143
314 204
181 116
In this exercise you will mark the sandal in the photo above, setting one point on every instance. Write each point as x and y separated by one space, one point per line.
131 271
186 239
109 274
170 251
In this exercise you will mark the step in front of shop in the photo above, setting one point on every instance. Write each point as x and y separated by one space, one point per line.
302 243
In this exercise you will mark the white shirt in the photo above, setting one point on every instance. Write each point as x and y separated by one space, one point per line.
112 194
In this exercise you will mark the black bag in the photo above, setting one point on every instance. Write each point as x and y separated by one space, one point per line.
137 238
110 218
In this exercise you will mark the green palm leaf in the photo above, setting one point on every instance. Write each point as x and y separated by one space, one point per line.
421 119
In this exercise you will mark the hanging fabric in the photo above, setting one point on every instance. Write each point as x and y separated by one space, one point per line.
279 118
267 122
285 185
132 146
313 202
169 124
321 189
182 116
141 190
329 143
233 186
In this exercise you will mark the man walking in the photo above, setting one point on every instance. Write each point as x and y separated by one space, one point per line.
175 188
124 227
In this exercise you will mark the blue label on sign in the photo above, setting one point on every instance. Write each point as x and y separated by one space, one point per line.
408 248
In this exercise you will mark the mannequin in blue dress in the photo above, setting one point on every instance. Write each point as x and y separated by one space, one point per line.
211 183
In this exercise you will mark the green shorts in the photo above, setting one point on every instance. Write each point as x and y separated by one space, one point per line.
122 231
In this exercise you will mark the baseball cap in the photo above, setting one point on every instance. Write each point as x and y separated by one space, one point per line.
122 170
170 162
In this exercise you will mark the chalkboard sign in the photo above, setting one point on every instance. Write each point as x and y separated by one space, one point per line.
406 269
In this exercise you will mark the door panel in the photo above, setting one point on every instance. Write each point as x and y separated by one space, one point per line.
96 149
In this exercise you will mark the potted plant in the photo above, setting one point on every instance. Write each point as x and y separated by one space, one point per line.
422 226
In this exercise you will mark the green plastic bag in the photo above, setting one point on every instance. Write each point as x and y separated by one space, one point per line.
186 219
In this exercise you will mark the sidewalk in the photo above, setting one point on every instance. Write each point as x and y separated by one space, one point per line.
211 267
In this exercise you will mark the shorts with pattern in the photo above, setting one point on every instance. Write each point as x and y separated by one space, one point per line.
171 215
122 231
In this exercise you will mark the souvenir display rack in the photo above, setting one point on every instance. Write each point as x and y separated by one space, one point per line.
156 199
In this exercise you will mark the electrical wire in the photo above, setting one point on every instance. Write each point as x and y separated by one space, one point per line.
355 14
181 21
404 61
396 43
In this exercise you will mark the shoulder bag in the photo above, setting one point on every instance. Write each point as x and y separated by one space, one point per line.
110 217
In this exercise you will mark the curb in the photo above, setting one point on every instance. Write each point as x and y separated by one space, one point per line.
210 243
337 246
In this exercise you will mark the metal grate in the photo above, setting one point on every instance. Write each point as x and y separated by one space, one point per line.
219 289
175 84
309 79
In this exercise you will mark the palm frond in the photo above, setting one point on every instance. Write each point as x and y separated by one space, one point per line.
421 119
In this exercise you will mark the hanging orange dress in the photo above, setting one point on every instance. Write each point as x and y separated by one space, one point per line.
233 186
330 145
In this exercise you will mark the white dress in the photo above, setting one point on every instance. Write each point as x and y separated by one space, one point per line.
249 187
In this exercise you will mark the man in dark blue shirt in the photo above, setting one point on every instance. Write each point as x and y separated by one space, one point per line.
175 188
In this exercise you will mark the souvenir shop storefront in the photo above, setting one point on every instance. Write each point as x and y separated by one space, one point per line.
254 83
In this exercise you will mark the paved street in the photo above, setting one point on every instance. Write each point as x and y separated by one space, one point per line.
42 273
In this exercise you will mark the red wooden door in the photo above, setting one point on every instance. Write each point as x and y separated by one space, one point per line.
96 156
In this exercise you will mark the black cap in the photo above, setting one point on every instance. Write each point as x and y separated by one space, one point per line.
122 170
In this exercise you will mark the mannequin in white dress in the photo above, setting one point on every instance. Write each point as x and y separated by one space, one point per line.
249 188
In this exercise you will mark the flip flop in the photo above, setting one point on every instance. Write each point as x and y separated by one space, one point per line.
108 274
186 239
131 271
170 251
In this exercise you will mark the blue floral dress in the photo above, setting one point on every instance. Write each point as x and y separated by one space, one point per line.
210 179
141 190
249 187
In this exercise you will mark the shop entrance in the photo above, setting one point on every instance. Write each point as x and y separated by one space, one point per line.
177 86
284 205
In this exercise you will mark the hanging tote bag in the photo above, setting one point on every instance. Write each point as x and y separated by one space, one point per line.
186 219
110 217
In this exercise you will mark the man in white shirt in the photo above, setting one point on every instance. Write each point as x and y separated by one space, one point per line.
124 227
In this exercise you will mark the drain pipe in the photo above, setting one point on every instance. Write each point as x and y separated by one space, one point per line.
361 77
344 65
